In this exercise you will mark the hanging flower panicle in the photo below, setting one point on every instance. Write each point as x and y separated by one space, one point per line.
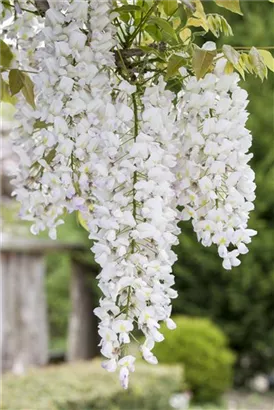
22 29
135 225
216 184
125 155
73 93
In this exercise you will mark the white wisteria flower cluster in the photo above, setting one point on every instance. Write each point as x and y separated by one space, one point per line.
215 183
134 226
23 31
73 93
133 163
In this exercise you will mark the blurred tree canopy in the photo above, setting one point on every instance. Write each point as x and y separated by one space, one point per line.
242 300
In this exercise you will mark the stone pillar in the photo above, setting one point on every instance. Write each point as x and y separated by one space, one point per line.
24 333
24 336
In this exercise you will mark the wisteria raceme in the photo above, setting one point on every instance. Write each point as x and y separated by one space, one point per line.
24 32
73 92
215 183
94 152
127 157
135 226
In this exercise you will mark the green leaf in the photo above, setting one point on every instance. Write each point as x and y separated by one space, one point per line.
39 125
181 13
151 50
213 25
245 63
126 9
241 67
226 28
268 58
229 68
218 24
164 25
197 22
176 23
27 90
7 5
82 221
202 61
16 81
5 92
174 63
232 5
6 55
170 6
199 10
185 35
174 85
231 54
125 17
19 81
154 32
50 156
258 63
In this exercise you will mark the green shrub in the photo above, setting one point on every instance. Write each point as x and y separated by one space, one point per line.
202 349
86 386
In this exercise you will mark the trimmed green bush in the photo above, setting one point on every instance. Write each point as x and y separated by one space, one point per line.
86 386
202 349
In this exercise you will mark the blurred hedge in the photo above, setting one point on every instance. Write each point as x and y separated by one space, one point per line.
202 349
86 386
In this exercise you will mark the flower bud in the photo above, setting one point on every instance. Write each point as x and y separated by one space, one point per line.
55 17
77 40
60 125
66 85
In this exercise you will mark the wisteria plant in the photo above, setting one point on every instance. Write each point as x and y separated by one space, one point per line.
123 119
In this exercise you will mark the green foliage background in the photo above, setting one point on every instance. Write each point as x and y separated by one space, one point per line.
86 386
202 349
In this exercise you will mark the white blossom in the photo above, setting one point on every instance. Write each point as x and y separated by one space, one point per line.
134 226
215 183
62 104
132 163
